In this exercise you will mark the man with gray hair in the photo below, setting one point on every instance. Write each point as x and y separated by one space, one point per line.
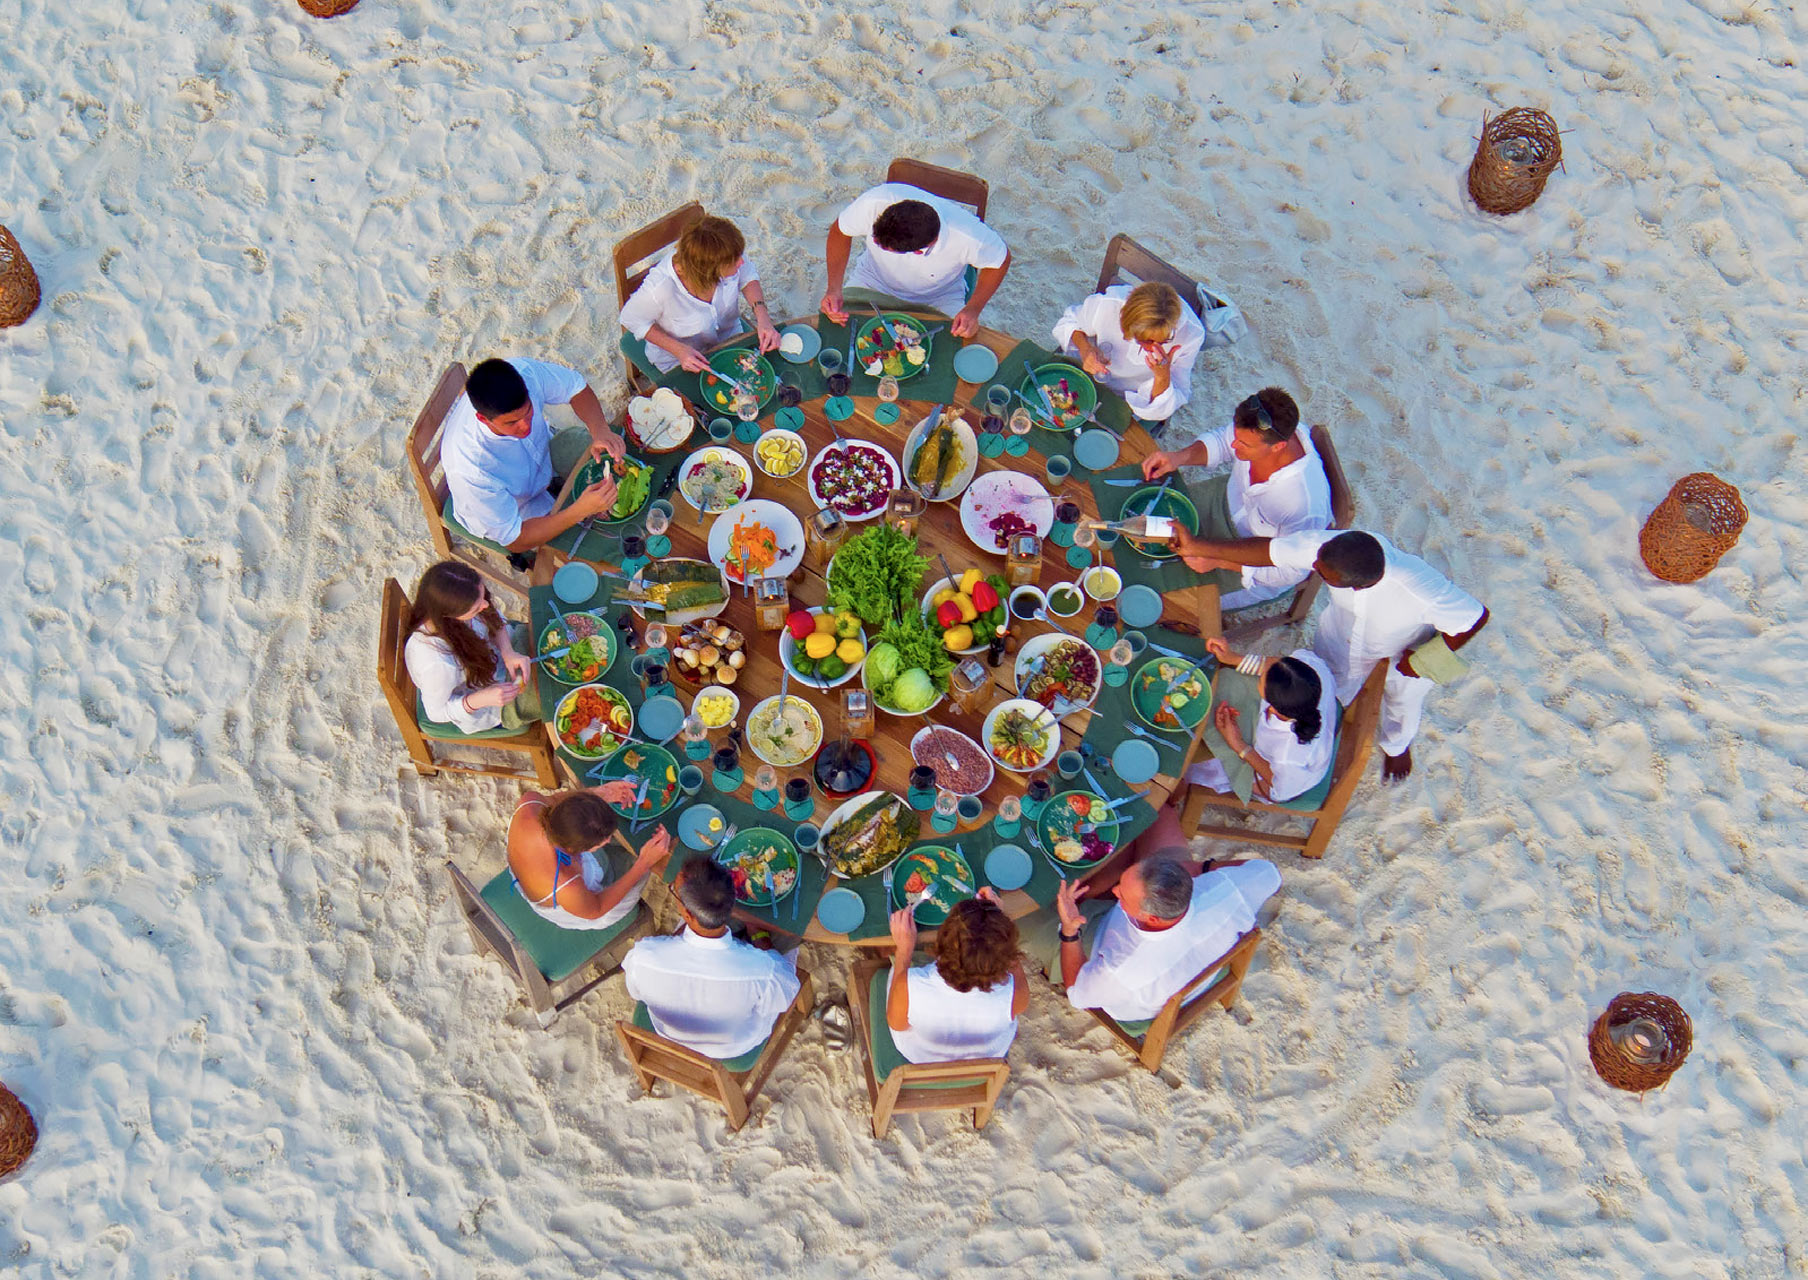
702 986
1171 918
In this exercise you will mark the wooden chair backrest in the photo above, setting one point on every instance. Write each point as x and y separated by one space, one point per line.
425 438
1343 502
392 643
1124 256
483 920
949 184
634 253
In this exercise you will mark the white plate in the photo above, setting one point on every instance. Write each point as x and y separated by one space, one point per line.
991 765
997 492
1029 708
638 584
717 453
896 478
785 527
780 433
853 805
787 654
1037 646
956 484
929 595
812 715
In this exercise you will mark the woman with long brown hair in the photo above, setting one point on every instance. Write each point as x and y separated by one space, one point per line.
461 656
965 1003
559 855
691 298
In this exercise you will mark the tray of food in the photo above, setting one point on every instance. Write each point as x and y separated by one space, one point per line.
1058 672
682 591
709 652
961 765
867 833
592 721
943 458
1022 735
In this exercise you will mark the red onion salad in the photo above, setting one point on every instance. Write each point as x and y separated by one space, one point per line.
969 771
855 479
1005 527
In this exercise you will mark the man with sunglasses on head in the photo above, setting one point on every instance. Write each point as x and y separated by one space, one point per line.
503 462
919 248
1276 485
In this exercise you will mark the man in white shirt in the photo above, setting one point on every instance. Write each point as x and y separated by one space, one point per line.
500 456
1276 485
703 987
1383 604
1171 919
918 249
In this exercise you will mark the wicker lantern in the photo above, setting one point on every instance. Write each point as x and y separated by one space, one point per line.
1640 1041
328 8
18 1132
19 292
1697 522
1517 152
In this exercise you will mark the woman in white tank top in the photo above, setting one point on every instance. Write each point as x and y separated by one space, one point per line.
964 1004
558 851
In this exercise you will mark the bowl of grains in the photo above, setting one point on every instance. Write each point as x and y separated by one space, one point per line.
960 765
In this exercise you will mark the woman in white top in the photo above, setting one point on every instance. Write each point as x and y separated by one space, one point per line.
1294 733
1140 341
965 1003
461 656
553 848
691 298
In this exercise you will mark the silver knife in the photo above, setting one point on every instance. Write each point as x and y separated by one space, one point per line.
1121 801
1171 653
1128 482
1181 679
1093 782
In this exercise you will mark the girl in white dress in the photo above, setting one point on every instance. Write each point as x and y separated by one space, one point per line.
461 657
963 1004
1141 341
691 298
1294 737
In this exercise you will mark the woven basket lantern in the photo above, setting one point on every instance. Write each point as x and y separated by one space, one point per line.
1640 1041
1697 522
328 8
18 1132
1516 154
19 292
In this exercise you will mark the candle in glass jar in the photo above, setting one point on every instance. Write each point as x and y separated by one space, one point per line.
1023 559
857 713
772 602
903 509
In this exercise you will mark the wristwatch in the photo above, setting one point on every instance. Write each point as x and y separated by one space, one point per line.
1070 937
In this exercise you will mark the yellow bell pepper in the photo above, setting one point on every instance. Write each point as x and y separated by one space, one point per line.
968 610
825 625
958 638
850 651
819 645
969 580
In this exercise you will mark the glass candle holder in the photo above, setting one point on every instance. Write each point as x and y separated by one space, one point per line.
799 804
943 812
968 808
1009 818
696 737
968 684
921 795
771 603
1023 559
857 713
903 508
1036 795
824 532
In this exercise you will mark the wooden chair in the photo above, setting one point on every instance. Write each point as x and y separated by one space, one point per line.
1124 256
634 257
1218 983
734 1083
1322 807
404 702
1299 605
451 541
894 1085
554 967
949 184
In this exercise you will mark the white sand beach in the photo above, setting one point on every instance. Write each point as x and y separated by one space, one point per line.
233 986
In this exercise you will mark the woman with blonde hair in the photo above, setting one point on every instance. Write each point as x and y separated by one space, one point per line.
461 657
1141 341
691 298
964 1003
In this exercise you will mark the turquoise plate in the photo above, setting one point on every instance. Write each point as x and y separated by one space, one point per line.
1008 867
1139 606
693 826
841 911
975 363
575 583
1135 761
1096 450
812 341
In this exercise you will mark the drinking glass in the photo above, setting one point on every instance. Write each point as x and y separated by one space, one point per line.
696 737
633 546
1010 817
888 388
991 424
1036 795
789 395
839 384
1138 643
922 788
690 779
1020 421
829 361
654 637
947 804
1068 764
1060 466
799 804
659 517
806 837
720 429
998 398
969 808
766 779
1108 538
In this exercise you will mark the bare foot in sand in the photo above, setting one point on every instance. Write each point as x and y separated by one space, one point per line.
1395 768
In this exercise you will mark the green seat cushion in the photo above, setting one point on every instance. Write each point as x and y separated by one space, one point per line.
559 953
1140 1026
886 1058
745 1062
636 351
1307 801
452 733
453 524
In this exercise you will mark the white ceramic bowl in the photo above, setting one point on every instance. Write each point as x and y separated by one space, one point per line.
1029 708
780 433
929 595
767 704
787 654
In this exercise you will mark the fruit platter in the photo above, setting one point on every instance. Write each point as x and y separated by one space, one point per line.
589 644
934 878
893 345
1058 672
1175 710
1071 394
1154 500
968 611
591 721
641 762
854 478
1021 735
633 486
822 647
751 857
741 366
868 833
1077 831
713 479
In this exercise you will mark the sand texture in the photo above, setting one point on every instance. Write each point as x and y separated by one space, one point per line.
233 987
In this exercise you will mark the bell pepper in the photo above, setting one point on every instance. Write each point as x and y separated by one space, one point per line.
965 604
985 598
958 638
799 623
949 614
967 580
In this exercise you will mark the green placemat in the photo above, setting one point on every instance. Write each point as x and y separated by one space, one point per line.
1113 710
737 811
1235 689
1161 575
602 544
688 384
1014 368
933 385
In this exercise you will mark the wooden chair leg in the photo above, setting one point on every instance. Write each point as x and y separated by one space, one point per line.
983 1112
886 1100
734 1100
632 1051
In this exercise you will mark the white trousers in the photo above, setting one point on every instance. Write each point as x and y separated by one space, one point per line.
1402 702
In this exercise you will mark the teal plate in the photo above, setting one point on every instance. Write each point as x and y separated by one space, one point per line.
1008 867
949 871
744 856
1171 503
975 363
841 911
